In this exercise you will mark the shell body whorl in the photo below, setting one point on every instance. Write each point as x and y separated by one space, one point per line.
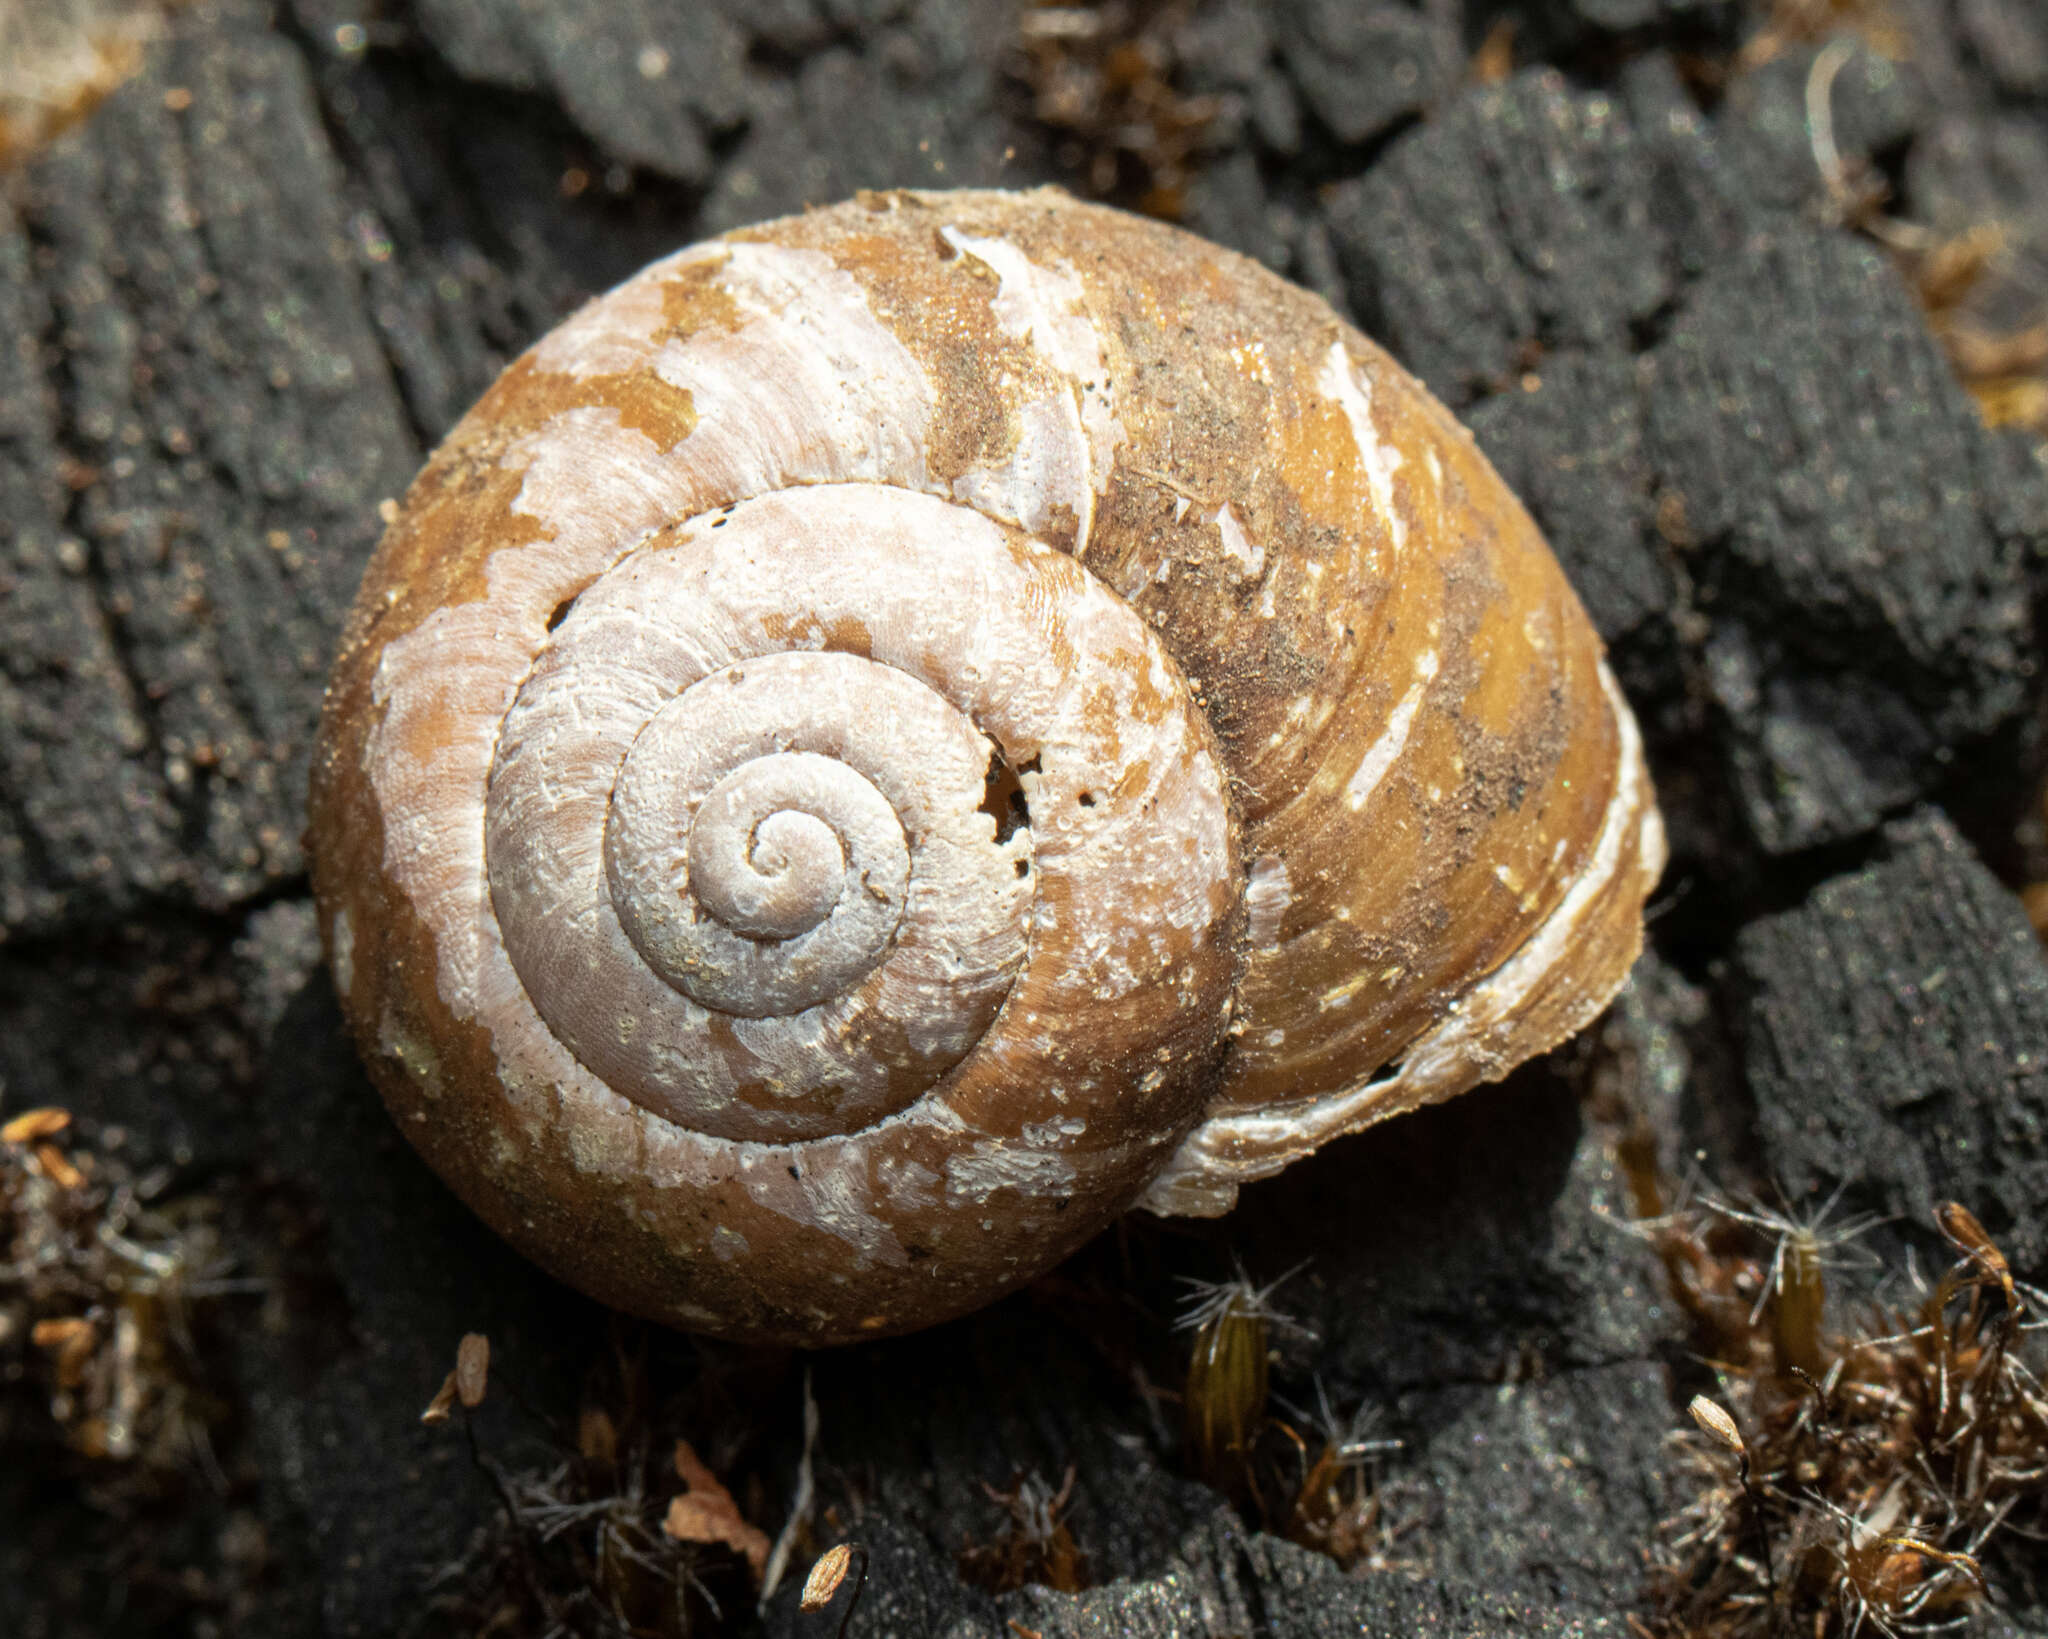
896 734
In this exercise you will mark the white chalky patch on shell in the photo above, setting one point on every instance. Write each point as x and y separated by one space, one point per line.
908 1186
412 1052
981 1167
667 681
1352 390
609 335
1267 895
812 370
343 941
602 1147
446 685
1048 308
1338 994
1045 475
1380 755
1472 1043
811 388
1247 557
824 1195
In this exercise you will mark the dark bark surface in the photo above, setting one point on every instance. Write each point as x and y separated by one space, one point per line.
1854 1036
240 303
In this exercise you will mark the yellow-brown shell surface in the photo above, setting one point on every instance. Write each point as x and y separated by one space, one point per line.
899 733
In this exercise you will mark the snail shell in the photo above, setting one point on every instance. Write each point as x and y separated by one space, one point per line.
900 733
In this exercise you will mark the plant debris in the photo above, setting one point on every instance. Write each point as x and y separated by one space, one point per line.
1037 1545
1102 72
2004 371
828 1576
1341 1507
705 1512
1848 1477
59 59
628 1534
1311 1477
466 1382
101 1274
1227 1384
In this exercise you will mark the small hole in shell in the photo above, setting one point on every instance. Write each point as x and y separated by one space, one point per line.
1003 800
561 612
1087 799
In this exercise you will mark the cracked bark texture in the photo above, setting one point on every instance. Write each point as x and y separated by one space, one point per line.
240 302
203 424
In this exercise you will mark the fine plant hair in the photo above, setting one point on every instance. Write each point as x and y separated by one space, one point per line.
1794 1289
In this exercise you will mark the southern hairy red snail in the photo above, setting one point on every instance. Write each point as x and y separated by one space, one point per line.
900 733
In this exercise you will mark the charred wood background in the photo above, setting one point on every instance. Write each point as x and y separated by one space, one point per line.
1768 428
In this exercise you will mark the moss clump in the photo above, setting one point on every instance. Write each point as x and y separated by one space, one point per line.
1847 1476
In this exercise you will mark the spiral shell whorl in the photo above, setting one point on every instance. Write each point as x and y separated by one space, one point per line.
781 845
667 729
734 1018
